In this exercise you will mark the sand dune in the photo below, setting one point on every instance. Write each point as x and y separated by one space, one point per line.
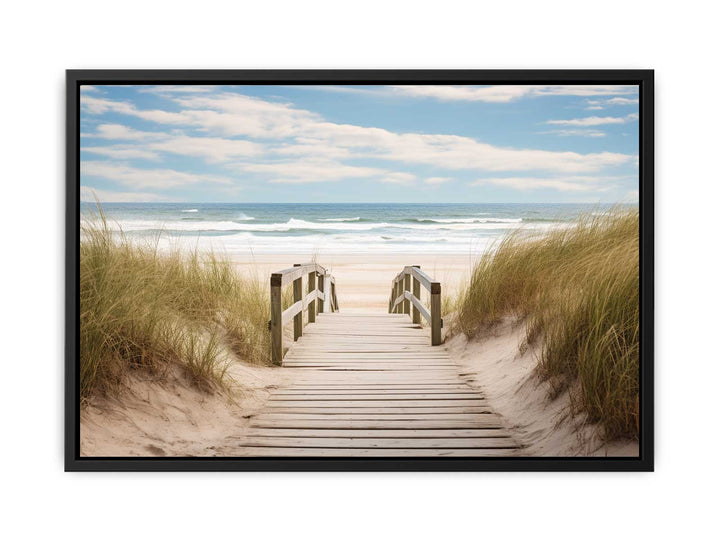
169 417
507 376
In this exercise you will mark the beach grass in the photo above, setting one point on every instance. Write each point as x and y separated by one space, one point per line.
143 308
577 288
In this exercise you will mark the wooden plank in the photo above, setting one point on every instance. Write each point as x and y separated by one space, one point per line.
375 394
328 442
372 390
287 275
383 396
372 452
311 297
366 413
421 276
380 357
366 367
298 296
321 296
276 324
397 403
435 314
421 309
406 304
490 421
379 433
416 297
289 313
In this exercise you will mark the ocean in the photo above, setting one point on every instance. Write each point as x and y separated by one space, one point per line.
239 228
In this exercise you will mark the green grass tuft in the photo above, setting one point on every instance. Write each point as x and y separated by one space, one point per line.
143 309
578 290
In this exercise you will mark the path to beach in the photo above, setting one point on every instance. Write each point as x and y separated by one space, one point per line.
371 384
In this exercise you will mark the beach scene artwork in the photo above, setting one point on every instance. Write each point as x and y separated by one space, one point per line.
359 271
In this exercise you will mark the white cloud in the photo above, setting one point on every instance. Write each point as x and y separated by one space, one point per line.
437 180
146 178
401 178
118 131
93 105
622 101
87 88
119 152
309 171
507 93
493 94
89 194
601 104
570 183
233 114
595 120
456 152
575 133
211 148
236 114
182 89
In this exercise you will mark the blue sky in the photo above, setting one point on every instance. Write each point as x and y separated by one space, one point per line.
360 144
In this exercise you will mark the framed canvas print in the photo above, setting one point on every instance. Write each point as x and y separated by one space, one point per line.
359 270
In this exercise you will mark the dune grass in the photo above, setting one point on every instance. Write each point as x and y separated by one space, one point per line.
142 308
578 291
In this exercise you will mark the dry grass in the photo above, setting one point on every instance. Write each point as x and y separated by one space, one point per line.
143 309
578 290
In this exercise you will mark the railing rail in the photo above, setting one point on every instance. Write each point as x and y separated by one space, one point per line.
401 299
320 290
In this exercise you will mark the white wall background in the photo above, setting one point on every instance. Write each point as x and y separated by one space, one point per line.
40 40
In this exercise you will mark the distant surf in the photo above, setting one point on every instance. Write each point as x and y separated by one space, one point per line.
341 228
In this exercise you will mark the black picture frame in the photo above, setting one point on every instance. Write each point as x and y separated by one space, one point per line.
643 78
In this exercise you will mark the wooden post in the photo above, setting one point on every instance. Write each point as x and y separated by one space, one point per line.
298 296
334 296
311 288
435 316
416 294
396 309
406 302
276 318
321 288
392 295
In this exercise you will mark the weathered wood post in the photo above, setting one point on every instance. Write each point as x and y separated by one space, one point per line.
416 294
397 308
298 297
406 302
321 288
334 296
435 316
276 318
311 288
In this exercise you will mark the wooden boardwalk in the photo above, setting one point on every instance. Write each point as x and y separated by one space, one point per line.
372 385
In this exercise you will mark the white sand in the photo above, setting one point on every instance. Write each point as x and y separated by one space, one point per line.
173 418
494 364
363 281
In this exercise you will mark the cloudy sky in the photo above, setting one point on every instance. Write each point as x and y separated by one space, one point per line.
360 143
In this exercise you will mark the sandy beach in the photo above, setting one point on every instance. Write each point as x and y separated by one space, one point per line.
363 280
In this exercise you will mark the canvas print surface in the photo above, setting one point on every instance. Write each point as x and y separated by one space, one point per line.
359 271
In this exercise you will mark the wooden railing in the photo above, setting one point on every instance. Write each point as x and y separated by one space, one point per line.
320 289
401 298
